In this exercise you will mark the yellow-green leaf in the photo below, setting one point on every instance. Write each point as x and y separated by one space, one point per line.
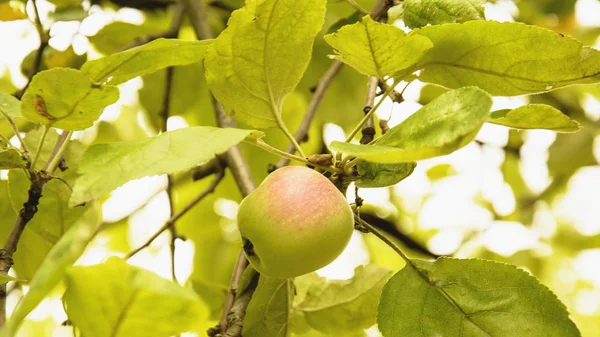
269 309
115 299
377 49
419 13
105 167
505 59
345 306
261 56
457 298
443 126
158 54
535 116
52 270
11 158
66 99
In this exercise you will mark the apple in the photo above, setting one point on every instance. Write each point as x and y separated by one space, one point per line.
294 223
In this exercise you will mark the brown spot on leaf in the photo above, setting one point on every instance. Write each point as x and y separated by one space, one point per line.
40 107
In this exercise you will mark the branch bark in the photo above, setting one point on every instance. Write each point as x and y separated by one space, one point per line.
37 62
238 166
27 212
368 131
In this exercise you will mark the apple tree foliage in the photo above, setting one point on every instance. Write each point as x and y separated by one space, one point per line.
258 61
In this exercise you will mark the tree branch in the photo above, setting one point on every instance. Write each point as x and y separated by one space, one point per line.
368 131
390 229
37 62
302 131
208 190
235 159
27 212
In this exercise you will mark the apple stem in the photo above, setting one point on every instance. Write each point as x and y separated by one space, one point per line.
261 144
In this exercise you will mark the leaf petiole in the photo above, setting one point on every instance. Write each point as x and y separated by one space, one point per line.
39 147
261 144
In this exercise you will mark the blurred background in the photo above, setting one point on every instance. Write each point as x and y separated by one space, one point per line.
528 198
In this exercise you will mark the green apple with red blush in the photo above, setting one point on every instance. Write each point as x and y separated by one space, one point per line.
294 223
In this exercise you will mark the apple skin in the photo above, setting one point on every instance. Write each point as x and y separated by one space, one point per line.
294 223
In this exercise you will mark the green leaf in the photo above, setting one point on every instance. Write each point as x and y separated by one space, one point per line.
119 35
505 59
52 270
10 106
443 126
345 306
382 175
535 116
66 99
114 299
52 219
377 49
456 298
268 313
105 167
419 13
11 158
261 56
158 54
570 152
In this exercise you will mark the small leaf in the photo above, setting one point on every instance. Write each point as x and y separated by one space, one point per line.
66 99
105 167
114 299
268 313
340 307
456 298
443 126
505 59
261 56
377 49
382 175
11 158
158 54
419 13
66 251
10 106
535 116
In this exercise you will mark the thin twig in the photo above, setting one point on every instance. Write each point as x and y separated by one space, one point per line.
37 62
389 228
58 152
235 159
368 131
209 168
208 190
311 111
240 265
382 237
15 129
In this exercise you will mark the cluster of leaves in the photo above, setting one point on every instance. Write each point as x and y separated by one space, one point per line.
253 69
